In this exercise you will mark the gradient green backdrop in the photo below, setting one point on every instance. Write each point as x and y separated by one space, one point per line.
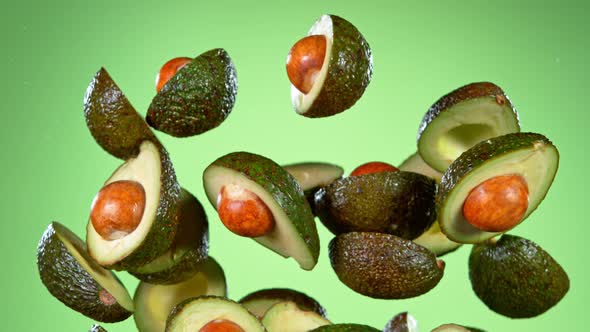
51 167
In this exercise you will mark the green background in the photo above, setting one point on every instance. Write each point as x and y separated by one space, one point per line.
51 167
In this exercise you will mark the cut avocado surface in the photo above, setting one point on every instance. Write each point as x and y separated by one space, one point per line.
416 164
288 317
515 277
384 266
345 74
311 175
97 328
463 118
456 328
402 322
399 203
260 301
199 97
295 234
345 328
436 241
529 155
156 231
189 249
195 313
154 302
71 275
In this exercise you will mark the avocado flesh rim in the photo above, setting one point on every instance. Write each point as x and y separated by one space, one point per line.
463 125
436 241
537 164
451 328
287 317
284 238
416 164
260 301
314 174
154 302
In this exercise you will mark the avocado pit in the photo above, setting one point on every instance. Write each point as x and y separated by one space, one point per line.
221 325
373 167
169 69
243 212
497 204
117 209
305 60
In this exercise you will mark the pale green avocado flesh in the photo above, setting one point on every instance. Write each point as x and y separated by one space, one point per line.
312 175
288 317
416 164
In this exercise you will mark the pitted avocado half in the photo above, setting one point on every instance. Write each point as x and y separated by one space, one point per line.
75 279
463 118
294 234
154 302
529 155
188 251
345 74
345 328
515 277
399 203
195 313
384 266
311 176
287 316
260 301
199 97
402 322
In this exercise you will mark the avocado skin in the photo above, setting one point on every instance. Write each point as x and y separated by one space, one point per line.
399 323
112 120
398 203
303 301
350 69
67 280
282 187
193 232
516 278
97 328
383 266
345 328
197 98
469 91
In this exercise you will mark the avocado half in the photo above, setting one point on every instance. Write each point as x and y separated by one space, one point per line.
345 328
416 164
188 251
530 155
195 313
515 277
260 301
345 74
402 322
287 316
75 279
198 98
154 302
156 231
295 234
463 118
311 176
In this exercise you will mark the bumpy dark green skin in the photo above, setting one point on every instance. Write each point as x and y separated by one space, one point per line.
350 69
96 328
112 120
383 266
303 301
469 91
282 187
67 280
197 98
398 203
189 249
345 328
399 323
516 278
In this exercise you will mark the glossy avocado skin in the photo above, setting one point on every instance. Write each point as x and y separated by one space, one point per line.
303 301
197 98
399 323
516 278
345 328
112 120
398 203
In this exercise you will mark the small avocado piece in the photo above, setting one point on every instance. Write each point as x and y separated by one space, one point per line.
515 277
463 118
529 155
288 317
195 313
436 241
188 251
456 328
260 301
74 278
398 203
402 322
345 328
384 266
113 122
97 328
311 176
197 98
416 164
154 235
295 234
154 302
345 74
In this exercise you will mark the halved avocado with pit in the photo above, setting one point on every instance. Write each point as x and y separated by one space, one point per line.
152 171
345 328
402 322
74 278
528 155
198 98
260 301
197 313
188 251
287 316
345 73
154 302
294 233
463 118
